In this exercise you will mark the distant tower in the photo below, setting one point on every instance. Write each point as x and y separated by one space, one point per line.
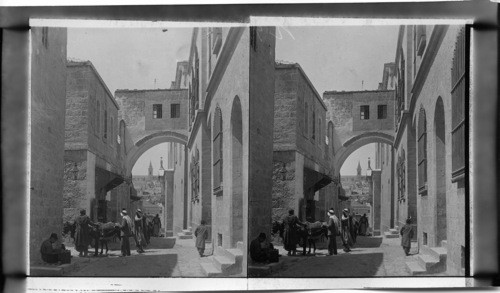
161 163
150 170
369 166
359 169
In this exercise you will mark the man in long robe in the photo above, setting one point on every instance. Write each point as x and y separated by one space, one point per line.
406 236
139 231
333 228
346 231
125 233
201 234
290 235
156 225
363 225
82 233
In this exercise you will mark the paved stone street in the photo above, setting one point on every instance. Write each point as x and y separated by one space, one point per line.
370 257
159 260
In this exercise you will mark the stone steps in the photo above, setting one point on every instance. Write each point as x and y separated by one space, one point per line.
415 269
210 270
390 235
394 231
225 262
431 260
181 235
187 232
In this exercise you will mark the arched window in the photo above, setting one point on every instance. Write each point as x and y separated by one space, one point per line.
330 138
306 120
217 152
195 176
422 152
459 90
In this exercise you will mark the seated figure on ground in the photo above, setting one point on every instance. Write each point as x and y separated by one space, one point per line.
260 249
49 253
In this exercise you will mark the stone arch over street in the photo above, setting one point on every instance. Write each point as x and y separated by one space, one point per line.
356 142
150 141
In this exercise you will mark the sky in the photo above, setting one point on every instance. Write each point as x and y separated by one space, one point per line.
334 58
132 58
341 58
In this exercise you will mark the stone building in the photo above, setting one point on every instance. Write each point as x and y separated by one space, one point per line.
429 147
229 151
94 149
46 153
303 157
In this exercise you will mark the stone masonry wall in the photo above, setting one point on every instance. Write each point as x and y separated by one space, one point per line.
48 104
283 184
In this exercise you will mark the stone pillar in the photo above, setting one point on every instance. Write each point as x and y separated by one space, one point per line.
169 203
375 188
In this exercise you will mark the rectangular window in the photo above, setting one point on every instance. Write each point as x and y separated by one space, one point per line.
157 111
98 119
105 125
314 125
306 119
382 112
365 112
175 110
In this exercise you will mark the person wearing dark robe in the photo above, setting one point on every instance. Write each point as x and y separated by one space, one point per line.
290 235
260 249
156 225
125 233
139 231
406 236
145 229
201 234
346 231
333 226
363 225
49 254
353 226
83 233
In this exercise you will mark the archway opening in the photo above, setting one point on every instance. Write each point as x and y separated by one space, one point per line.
440 172
367 185
237 178
158 177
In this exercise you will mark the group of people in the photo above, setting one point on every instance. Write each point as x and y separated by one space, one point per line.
140 228
347 228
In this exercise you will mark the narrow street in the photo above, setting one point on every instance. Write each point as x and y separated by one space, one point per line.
370 257
159 260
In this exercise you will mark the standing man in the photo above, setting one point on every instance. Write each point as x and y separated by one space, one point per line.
139 231
363 225
346 231
156 225
125 233
290 236
82 233
201 234
407 234
333 228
